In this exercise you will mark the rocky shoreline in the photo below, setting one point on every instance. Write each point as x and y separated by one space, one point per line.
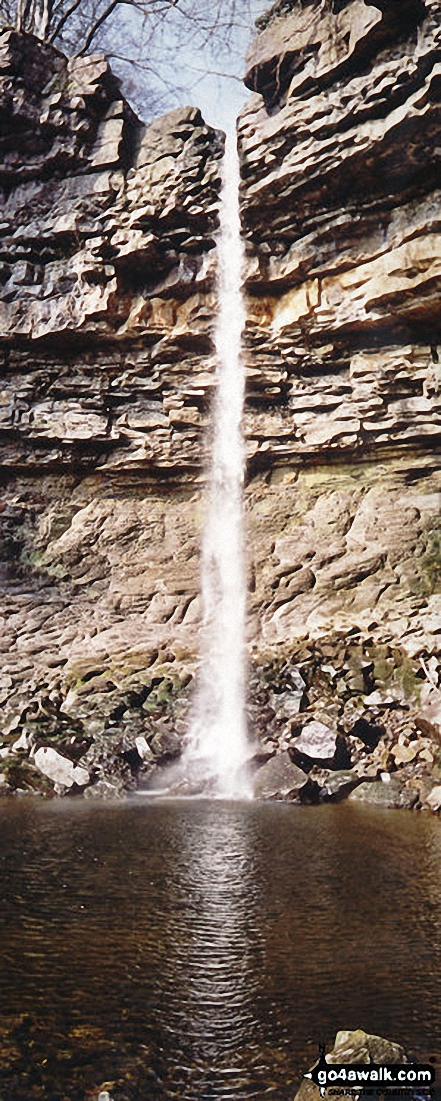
337 718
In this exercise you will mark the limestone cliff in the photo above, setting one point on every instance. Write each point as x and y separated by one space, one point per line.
106 310
341 211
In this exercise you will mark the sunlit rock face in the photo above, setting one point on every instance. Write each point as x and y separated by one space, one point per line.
107 302
341 211
107 308
107 273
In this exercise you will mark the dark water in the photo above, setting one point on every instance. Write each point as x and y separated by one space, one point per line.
202 950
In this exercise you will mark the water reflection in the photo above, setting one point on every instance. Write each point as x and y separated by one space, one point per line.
215 946
201 950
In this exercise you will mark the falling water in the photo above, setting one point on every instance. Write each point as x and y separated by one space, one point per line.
218 741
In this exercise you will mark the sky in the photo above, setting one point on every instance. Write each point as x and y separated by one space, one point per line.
171 73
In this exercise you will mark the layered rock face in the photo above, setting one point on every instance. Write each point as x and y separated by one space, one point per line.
341 212
106 308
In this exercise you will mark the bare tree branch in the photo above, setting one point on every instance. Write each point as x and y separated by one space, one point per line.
158 46
61 22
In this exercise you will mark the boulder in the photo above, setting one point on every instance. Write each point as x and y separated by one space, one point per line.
279 779
433 800
316 741
106 789
361 1047
337 785
429 718
288 704
63 773
405 754
143 748
166 745
382 793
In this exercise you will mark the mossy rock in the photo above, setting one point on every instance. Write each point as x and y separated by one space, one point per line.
379 794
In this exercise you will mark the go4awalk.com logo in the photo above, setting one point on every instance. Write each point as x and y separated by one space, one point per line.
399 1077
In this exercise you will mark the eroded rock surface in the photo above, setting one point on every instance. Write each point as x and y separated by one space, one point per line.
107 271
107 303
341 213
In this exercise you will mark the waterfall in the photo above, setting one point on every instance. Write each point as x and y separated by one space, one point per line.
217 740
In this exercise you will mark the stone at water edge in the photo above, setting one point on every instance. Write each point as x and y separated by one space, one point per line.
279 779
106 789
60 769
384 793
354 1047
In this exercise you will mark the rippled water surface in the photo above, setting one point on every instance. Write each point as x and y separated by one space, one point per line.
202 950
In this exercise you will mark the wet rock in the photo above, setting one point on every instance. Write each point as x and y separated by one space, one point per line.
63 773
384 793
279 779
166 745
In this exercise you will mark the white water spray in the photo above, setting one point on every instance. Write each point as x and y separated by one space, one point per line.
218 741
